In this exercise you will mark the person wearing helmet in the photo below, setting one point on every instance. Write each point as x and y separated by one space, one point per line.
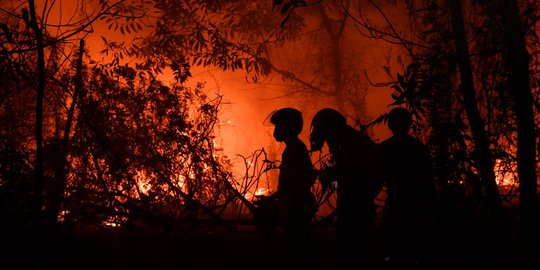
410 188
353 157
296 203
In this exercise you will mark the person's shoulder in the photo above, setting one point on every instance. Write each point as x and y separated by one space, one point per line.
297 146
387 142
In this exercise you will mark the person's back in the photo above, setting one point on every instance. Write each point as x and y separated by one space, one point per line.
408 177
406 168
354 158
353 168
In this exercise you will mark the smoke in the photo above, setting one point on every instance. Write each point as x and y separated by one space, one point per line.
246 105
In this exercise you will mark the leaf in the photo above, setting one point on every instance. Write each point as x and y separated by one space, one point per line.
412 68
416 114
285 20
277 3
285 8
400 79
397 102
381 119
397 88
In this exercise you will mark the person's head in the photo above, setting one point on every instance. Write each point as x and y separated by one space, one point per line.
288 123
323 126
399 121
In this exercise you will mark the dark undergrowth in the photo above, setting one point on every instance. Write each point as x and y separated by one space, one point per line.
457 243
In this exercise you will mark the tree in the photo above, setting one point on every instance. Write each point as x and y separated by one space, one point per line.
32 22
330 68
20 42
517 58
482 150
72 101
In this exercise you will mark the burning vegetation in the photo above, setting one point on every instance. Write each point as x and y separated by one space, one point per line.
104 122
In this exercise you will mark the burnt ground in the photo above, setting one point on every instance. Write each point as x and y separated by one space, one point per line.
462 245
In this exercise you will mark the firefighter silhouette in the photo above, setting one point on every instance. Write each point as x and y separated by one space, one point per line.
294 200
353 158
406 169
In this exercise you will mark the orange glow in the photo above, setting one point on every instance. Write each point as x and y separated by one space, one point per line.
260 191
143 182
62 215
505 174
241 128
113 222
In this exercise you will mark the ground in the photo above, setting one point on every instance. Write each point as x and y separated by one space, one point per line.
101 247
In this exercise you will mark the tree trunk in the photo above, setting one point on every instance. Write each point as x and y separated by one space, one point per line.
40 92
482 152
55 196
335 35
517 58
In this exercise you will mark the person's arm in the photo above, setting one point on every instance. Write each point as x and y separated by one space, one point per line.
327 175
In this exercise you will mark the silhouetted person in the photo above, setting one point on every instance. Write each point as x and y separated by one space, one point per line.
296 204
353 169
406 169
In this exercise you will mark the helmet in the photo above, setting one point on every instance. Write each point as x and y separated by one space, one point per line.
323 123
289 118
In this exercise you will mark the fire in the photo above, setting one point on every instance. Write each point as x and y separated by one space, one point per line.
62 216
113 221
111 224
143 182
260 191
505 173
